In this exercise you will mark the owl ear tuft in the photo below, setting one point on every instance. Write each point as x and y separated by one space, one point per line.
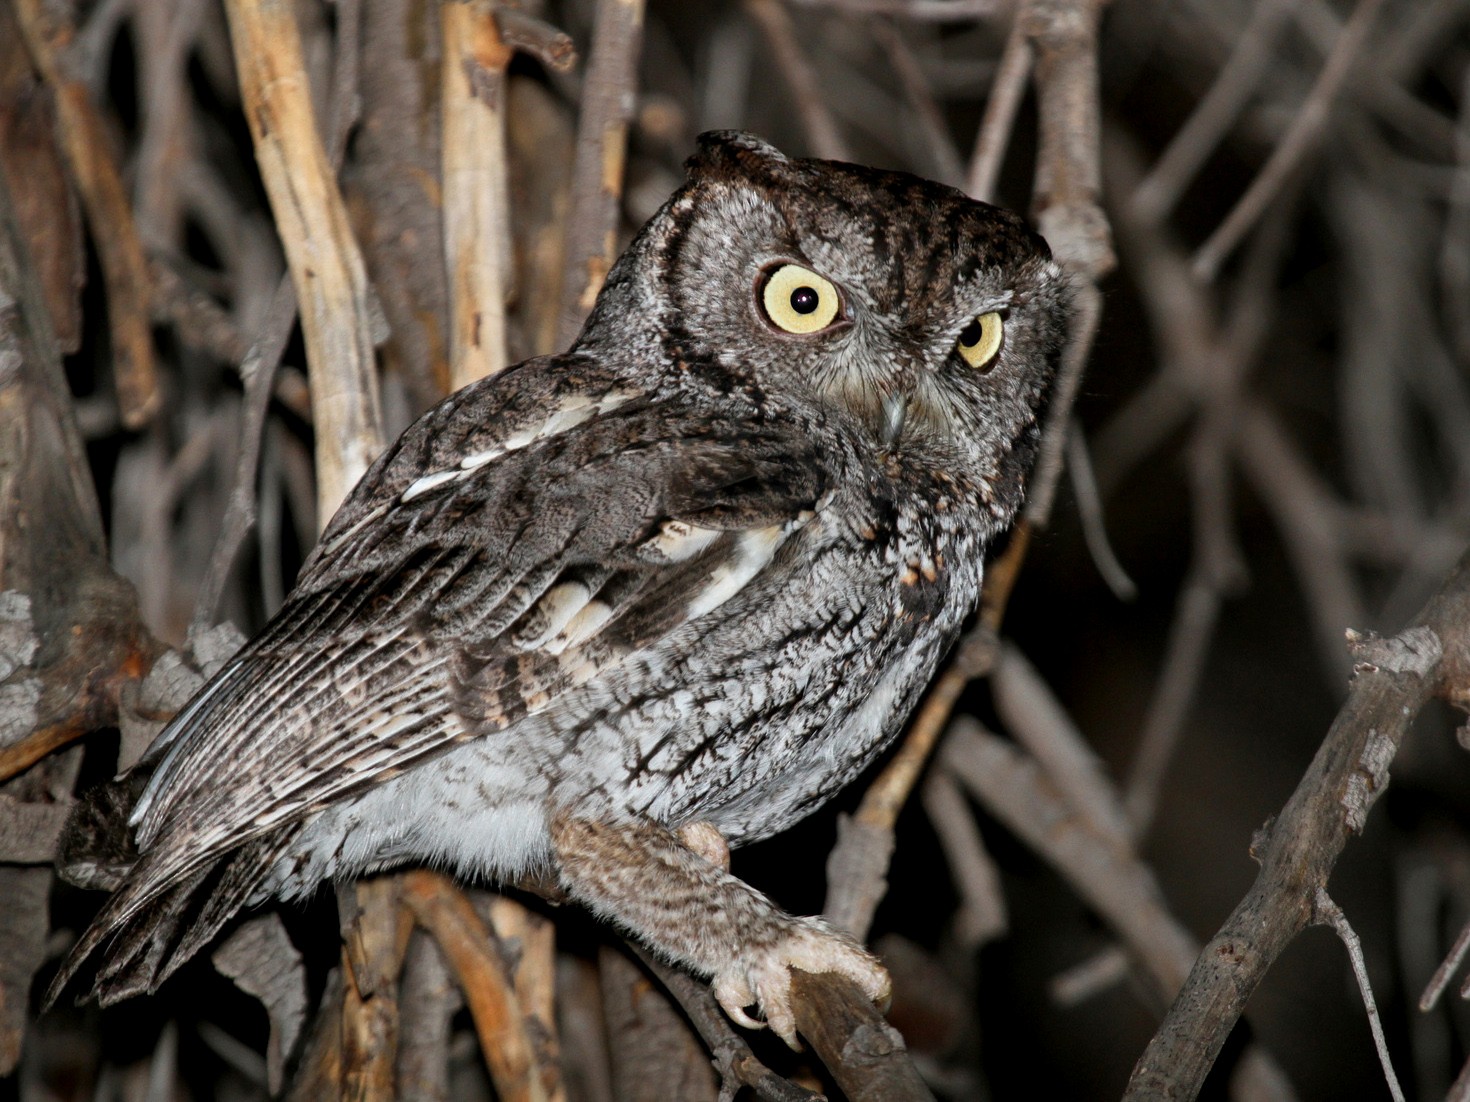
725 151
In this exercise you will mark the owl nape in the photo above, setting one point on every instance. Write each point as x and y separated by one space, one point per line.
688 577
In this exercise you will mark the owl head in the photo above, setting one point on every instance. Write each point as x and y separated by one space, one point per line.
927 319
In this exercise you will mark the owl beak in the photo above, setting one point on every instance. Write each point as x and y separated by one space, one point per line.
895 408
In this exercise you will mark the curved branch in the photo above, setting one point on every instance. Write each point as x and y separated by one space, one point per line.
1393 679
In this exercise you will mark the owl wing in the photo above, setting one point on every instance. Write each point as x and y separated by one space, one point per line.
474 577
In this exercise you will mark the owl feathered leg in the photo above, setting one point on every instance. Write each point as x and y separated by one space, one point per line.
642 877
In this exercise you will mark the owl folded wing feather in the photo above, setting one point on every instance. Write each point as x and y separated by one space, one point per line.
444 609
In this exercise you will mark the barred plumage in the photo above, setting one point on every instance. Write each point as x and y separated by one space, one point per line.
695 570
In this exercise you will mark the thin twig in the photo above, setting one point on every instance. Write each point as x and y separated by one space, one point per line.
920 96
1446 971
1006 93
258 369
1328 913
1034 716
1094 524
1294 493
1299 143
858 864
1098 973
1214 114
981 916
1042 493
807 97
1195 614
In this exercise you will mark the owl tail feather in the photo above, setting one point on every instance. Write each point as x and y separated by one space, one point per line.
159 918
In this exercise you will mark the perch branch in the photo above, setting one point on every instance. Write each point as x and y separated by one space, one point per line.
865 1054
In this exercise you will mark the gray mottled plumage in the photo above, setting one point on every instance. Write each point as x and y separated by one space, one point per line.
696 570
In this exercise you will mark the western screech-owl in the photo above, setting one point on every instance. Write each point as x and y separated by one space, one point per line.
692 573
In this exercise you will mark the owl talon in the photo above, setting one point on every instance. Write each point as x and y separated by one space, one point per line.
763 976
736 1013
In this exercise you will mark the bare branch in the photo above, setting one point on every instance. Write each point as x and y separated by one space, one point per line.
807 98
476 201
326 266
1394 679
1330 914
597 177
1297 145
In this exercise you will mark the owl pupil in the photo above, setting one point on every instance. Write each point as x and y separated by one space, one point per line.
970 334
804 300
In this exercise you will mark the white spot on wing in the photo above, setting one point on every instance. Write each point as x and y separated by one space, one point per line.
479 459
752 551
559 605
427 483
583 626
359 524
573 410
678 541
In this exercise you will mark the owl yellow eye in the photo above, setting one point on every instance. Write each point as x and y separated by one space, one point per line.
980 340
798 300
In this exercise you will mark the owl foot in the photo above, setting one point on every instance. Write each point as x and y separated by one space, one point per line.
761 976
685 905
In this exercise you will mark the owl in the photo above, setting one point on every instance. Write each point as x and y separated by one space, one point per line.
611 611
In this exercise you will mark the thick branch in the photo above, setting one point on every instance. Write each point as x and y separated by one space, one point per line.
326 265
476 200
109 216
863 1052
608 98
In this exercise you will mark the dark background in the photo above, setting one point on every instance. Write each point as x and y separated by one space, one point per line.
1359 365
